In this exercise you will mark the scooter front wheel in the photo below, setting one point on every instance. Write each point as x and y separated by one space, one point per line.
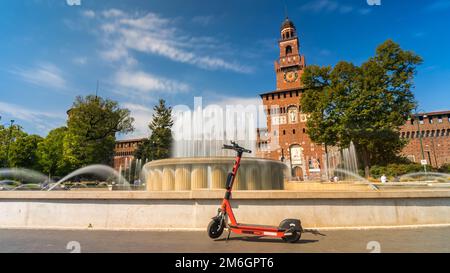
292 238
215 229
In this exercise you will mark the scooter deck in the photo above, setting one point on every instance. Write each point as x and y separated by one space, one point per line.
257 227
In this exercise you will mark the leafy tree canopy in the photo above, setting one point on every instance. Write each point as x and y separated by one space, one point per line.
91 129
365 104
50 152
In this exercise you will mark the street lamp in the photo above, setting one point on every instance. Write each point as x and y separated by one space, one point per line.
420 138
9 142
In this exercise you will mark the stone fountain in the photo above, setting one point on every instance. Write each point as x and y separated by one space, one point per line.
198 160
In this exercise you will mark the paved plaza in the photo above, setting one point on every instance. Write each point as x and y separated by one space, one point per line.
430 239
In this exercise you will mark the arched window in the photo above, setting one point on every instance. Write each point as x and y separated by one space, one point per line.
288 50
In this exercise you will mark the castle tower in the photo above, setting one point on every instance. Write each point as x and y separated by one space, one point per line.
285 137
290 64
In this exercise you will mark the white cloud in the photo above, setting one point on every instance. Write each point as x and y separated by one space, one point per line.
88 13
203 20
112 13
330 6
142 116
40 119
152 34
248 103
46 75
146 83
80 60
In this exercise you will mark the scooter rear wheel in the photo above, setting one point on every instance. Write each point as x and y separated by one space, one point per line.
292 238
215 229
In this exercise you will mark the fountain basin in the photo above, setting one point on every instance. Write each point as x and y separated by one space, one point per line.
191 173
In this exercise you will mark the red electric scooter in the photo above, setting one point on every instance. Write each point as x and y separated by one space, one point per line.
289 230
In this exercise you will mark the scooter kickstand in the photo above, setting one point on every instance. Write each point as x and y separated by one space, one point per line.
229 233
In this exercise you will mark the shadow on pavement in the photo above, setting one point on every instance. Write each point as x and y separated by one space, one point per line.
262 239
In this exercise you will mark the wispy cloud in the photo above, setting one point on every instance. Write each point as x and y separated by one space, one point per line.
80 60
203 20
153 34
146 83
248 103
46 75
142 116
330 6
88 13
40 119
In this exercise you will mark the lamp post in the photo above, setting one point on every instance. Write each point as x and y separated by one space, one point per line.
9 142
420 139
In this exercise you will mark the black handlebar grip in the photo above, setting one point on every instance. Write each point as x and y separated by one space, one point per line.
225 146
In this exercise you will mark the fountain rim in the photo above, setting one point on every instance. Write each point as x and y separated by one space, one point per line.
210 160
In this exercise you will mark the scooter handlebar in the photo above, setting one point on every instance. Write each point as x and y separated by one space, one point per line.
236 147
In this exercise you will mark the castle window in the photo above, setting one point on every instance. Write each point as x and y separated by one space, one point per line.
293 131
284 94
304 130
273 96
290 94
288 50
284 132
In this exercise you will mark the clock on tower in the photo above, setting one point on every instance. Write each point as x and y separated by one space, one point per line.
289 67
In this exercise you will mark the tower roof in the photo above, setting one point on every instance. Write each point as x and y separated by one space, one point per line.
287 24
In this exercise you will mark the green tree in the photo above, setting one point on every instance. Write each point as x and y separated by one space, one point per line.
91 131
23 153
159 144
50 152
8 135
365 104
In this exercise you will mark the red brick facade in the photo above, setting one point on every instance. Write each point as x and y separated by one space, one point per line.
124 150
434 128
285 137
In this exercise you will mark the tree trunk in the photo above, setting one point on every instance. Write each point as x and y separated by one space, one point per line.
327 165
366 162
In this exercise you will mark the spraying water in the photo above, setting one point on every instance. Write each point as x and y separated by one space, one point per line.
103 171
24 175
425 176
343 162
202 132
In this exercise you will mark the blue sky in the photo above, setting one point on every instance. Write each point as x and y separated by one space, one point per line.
140 51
